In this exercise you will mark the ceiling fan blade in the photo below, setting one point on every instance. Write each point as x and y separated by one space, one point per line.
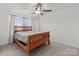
46 10
41 13
33 13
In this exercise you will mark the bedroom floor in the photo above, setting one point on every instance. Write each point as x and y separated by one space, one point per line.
55 49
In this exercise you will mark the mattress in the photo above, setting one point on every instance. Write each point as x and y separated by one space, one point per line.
23 36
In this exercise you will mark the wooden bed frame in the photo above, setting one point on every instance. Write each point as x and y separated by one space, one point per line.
34 40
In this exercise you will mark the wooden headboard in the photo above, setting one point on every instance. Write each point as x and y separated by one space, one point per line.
22 28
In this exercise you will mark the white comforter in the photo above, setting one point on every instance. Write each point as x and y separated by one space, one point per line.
23 36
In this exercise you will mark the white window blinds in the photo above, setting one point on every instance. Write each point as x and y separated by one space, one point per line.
20 21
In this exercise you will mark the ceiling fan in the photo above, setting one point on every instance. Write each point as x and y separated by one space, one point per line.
39 9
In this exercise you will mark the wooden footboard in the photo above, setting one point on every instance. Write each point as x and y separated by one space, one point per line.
35 41
38 39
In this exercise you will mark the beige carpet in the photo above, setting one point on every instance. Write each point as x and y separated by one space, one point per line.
55 49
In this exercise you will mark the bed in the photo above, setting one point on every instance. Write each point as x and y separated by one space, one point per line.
28 39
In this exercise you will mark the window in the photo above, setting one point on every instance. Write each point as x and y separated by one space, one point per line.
20 21
27 22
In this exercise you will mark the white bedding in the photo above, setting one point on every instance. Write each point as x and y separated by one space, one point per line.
23 36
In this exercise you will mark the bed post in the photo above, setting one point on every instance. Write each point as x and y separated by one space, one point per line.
49 42
27 50
13 39
49 38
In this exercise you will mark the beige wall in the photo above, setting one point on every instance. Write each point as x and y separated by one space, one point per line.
63 23
4 27
5 19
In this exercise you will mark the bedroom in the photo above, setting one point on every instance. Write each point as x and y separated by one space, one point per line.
61 22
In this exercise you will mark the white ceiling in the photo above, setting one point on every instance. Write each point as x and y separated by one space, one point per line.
22 7
28 8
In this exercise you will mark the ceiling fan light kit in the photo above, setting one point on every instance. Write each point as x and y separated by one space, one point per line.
39 10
